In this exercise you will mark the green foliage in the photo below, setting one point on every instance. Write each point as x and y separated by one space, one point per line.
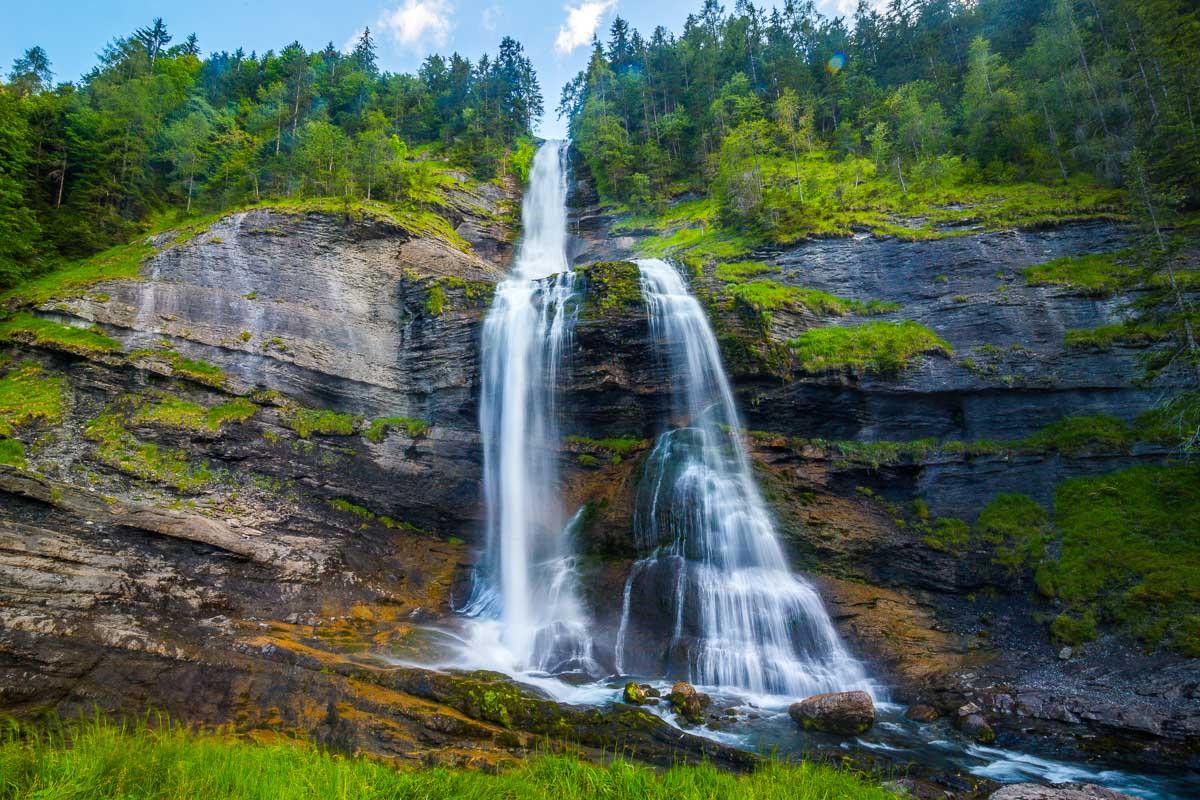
12 453
367 515
948 534
611 286
1081 434
30 329
435 300
28 394
763 296
174 412
1073 630
476 294
615 446
154 131
1175 422
307 421
181 366
1129 551
1018 531
377 432
734 271
520 160
117 447
872 346
96 759
1105 337
1096 275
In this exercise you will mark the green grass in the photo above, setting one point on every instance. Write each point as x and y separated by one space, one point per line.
30 329
368 515
74 278
117 447
28 394
734 271
12 453
476 294
174 412
1082 434
181 366
1106 337
377 432
763 296
98 761
1096 275
885 347
1017 530
1130 554
307 421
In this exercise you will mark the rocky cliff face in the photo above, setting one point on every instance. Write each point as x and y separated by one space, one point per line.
845 456
249 507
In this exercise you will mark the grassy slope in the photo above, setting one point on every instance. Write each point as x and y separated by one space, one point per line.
842 197
106 761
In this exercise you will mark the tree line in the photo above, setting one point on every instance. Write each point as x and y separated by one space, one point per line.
154 126
1019 89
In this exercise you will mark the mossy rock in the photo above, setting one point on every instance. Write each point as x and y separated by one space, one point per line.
610 286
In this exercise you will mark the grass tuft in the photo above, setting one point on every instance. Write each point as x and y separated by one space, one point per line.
30 329
885 347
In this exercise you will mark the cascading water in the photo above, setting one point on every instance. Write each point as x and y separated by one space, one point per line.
738 616
524 594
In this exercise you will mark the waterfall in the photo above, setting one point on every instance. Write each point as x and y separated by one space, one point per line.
524 593
738 617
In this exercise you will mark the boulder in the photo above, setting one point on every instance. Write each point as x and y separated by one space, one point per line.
922 713
1064 791
970 720
844 713
688 703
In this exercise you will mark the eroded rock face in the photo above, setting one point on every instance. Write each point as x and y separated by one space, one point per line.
843 713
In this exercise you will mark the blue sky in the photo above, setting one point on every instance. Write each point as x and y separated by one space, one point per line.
555 33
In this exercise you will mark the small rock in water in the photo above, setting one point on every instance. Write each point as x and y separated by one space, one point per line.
633 694
922 713
1064 791
688 703
845 713
1065 653
977 728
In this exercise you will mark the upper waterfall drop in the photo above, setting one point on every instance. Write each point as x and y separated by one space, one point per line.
525 592
741 618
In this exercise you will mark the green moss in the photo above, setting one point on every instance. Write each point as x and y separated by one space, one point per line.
307 421
351 508
1082 434
587 459
435 300
871 346
1073 630
763 296
174 412
28 394
734 271
368 515
377 432
611 286
948 534
475 294
24 327
1106 337
181 366
623 445
12 453
1018 531
1129 552
74 279
118 448
1096 275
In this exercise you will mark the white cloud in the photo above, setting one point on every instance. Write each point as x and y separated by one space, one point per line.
491 15
418 24
582 21
349 45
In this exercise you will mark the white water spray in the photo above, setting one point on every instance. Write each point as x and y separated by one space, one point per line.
525 590
739 617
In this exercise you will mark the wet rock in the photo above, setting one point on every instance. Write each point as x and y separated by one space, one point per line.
922 713
844 713
633 694
1064 654
1066 791
970 720
688 703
